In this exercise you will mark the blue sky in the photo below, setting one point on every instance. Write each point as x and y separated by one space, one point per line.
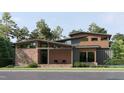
112 22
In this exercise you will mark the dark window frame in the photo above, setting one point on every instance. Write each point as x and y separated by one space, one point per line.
94 39
84 39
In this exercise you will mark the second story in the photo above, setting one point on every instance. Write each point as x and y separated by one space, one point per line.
88 39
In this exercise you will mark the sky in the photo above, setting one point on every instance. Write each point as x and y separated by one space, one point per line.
113 22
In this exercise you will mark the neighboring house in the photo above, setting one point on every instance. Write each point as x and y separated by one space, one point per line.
79 47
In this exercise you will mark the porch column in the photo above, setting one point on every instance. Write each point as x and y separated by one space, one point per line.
48 53
72 56
94 56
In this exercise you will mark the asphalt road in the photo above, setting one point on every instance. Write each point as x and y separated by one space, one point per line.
22 75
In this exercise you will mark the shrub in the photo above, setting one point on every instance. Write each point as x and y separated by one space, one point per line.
77 64
5 62
33 65
10 66
114 61
81 64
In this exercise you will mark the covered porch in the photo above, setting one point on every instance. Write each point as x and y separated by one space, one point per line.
44 52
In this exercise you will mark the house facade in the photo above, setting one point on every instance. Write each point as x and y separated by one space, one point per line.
79 47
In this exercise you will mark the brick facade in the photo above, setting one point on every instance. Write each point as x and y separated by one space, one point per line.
60 55
26 56
101 43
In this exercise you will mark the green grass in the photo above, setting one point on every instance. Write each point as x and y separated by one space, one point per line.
66 69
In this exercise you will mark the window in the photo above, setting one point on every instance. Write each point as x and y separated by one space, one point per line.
90 56
104 38
87 56
94 39
68 42
82 56
84 39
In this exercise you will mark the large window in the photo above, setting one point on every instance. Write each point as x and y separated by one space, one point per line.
87 57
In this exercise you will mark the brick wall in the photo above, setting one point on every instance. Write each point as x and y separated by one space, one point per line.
103 44
60 55
26 56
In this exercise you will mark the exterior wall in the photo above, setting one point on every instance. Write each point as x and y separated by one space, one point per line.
60 55
103 54
103 44
26 56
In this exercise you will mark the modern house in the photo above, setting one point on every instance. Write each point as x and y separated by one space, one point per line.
80 46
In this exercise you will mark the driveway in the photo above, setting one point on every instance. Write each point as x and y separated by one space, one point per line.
39 75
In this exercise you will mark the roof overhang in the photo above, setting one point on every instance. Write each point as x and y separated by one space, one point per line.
39 40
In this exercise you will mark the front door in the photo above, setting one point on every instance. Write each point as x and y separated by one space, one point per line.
43 56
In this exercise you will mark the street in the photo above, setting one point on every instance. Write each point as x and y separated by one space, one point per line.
39 75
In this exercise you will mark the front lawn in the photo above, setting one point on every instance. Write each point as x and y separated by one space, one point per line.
62 69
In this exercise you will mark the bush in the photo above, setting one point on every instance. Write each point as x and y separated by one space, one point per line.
10 66
33 65
77 64
81 64
114 61
5 62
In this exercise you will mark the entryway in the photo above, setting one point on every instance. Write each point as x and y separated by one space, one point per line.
43 56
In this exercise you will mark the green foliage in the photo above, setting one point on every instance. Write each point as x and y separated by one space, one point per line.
5 52
42 31
33 65
10 66
118 46
57 33
81 64
118 36
114 61
93 28
118 49
7 25
75 31
5 62
77 64
21 34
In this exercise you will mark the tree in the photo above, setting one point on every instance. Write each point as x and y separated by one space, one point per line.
118 45
5 51
75 31
93 28
21 34
42 31
8 26
118 36
57 33
118 49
